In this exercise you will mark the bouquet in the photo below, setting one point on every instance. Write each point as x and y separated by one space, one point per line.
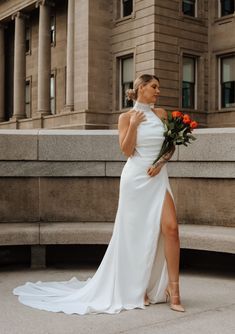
178 131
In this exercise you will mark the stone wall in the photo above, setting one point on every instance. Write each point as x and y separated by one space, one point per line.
73 176
158 35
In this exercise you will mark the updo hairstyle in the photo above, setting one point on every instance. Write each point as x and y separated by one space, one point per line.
143 79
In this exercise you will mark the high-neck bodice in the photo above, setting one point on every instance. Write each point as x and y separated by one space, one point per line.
149 134
145 107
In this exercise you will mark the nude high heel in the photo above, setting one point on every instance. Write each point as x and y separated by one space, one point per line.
146 300
170 296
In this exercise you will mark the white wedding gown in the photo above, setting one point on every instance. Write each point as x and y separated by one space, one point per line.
134 261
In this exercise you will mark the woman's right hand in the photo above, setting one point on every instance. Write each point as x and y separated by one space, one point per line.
127 126
136 117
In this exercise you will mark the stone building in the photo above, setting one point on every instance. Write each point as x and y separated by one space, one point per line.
67 63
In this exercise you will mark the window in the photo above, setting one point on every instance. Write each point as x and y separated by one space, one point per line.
52 94
228 82
53 29
28 98
126 80
226 7
27 39
189 7
126 7
189 82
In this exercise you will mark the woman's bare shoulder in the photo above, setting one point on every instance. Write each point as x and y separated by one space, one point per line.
161 112
126 114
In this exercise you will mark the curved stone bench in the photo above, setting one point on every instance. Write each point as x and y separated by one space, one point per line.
19 234
39 235
210 238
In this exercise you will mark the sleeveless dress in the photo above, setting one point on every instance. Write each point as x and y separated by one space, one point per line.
134 262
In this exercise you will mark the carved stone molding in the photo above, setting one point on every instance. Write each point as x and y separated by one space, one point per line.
44 3
19 15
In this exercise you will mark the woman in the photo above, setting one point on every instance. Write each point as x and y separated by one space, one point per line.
146 91
141 263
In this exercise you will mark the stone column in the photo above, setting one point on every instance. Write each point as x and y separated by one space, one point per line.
70 58
44 57
2 74
93 61
19 67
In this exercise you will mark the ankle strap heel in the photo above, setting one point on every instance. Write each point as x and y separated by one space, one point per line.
169 295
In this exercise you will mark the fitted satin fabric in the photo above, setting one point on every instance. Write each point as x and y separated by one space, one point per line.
134 261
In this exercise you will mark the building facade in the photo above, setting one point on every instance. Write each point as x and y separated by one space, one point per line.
67 63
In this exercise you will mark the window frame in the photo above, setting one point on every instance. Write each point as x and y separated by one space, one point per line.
118 17
220 86
53 75
53 32
220 10
122 9
29 103
195 9
28 28
120 81
195 91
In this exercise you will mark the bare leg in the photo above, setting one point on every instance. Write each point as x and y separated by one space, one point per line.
170 232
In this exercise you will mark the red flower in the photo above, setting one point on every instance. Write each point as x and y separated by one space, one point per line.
193 124
176 114
186 119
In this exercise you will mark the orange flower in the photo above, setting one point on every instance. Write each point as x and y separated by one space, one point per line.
176 114
186 119
193 124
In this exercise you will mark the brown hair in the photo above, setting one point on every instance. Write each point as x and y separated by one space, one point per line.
143 79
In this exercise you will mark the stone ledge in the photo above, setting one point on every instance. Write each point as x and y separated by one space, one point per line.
18 144
191 169
211 238
201 169
114 169
79 145
213 144
52 168
75 233
19 234
184 169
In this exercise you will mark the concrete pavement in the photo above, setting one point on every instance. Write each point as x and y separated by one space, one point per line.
209 300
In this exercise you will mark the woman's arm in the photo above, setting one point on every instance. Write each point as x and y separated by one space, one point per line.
165 158
127 127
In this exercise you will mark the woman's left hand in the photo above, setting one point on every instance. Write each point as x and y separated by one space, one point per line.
152 171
